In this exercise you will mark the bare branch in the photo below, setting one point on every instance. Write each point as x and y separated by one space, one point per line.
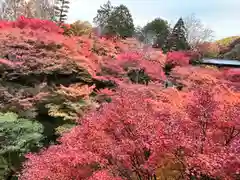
196 31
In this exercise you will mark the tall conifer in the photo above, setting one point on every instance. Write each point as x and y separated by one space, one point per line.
177 39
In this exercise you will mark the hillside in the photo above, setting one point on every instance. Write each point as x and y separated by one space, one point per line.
226 41
97 108
229 47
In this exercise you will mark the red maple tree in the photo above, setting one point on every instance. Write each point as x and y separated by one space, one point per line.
130 137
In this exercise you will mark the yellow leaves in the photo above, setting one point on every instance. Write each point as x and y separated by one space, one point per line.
75 91
226 41
67 111
171 169
64 128
80 28
71 102
211 67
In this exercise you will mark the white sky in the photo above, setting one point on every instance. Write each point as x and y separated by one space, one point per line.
222 16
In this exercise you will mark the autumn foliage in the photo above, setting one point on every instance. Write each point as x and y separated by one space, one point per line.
137 66
131 137
33 24
178 58
209 49
39 60
128 124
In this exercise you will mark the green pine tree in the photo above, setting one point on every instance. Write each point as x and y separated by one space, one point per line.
177 39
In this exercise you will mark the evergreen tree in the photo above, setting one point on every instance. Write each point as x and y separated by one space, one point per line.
61 10
103 15
114 20
177 39
120 22
160 29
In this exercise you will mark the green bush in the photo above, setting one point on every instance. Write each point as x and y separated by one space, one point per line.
17 137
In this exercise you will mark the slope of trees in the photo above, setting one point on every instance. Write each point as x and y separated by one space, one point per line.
84 106
229 48
234 53
226 41
131 137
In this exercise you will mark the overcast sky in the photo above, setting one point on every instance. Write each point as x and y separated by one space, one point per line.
222 16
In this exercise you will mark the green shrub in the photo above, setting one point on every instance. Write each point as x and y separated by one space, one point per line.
17 137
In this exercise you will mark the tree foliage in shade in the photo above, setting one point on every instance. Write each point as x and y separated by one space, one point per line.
61 10
229 48
234 53
17 136
177 40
